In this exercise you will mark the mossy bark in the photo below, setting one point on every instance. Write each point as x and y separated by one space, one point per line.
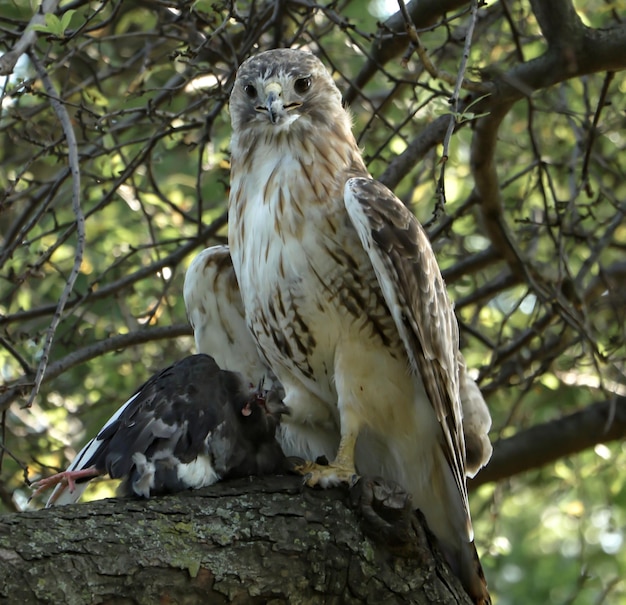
246 541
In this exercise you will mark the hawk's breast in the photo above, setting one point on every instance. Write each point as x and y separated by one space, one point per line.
306 281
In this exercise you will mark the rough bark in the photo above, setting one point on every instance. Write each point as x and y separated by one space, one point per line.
246 541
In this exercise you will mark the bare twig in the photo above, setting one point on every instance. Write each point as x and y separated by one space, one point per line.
385 47
416 43
74 165
455 116
584 175
9 59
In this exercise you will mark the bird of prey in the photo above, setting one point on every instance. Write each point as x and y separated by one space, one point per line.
216 314
189 426
345 301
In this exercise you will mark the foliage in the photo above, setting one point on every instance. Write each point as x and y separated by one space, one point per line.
532 250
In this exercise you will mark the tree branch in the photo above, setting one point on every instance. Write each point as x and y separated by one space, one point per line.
224 544
430 136
518 82
112 288
121 341
539 445
390 42
74 166
28 38
559 22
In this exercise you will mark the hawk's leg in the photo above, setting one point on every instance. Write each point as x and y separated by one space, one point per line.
341 469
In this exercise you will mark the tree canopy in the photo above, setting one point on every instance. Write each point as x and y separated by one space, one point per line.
500 124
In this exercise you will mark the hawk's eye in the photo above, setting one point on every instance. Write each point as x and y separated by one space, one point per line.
302 85
250 91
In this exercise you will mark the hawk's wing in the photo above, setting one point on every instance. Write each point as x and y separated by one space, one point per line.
216 314
476 422
415 293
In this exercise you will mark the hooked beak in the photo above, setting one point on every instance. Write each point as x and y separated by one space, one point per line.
274 101
275 105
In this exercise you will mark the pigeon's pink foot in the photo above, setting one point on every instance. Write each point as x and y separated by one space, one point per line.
67 479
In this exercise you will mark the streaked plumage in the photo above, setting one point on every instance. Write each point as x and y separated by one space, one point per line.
190 425
345 301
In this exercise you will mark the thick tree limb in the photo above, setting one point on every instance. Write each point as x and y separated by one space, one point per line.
539 445
246 541
226 543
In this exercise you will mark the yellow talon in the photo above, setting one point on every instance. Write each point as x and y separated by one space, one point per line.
319 475
340 471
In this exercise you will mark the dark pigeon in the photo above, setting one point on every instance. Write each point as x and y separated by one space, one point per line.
188 426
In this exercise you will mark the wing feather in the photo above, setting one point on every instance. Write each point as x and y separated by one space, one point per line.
416 296
215 311
91 451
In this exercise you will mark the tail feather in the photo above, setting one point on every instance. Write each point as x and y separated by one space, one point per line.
472 576
449 519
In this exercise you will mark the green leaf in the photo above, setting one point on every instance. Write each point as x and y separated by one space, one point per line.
66 18
54 25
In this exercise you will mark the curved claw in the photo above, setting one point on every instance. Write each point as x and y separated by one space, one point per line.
324 476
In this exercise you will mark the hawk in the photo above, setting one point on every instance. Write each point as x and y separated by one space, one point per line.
216 314
189 426
345 302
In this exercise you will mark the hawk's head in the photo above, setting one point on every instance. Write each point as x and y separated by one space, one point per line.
278 89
